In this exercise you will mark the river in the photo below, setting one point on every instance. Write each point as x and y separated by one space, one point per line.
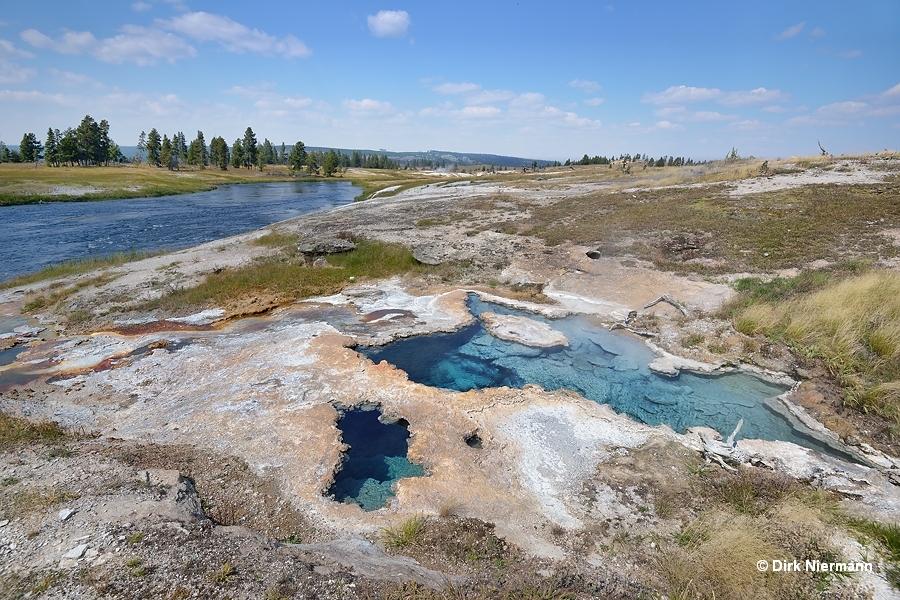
37 235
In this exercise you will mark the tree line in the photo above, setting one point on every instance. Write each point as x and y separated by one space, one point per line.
662 161
87 144
247 152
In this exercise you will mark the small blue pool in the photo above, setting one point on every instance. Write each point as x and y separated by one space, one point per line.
375 460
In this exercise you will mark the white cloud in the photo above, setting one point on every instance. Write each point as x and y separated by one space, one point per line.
758 96
177 4
588 87
843 108
891 94
11 72
368 106
71 42
748 125
271 103
817 33
774 109
528 100
33 97
490 96
8 50
389 23
709 115
457 88
140 45
791 31
141 6
682 94
69 79
594 101
667 126
480 111
234 36
850 54
297 102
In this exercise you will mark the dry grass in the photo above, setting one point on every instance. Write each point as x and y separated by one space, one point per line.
74 267
852 326
14 430
288 278
705 230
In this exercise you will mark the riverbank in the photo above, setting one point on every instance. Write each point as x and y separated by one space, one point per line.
30 184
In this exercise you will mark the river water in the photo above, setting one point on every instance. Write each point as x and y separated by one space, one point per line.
37 235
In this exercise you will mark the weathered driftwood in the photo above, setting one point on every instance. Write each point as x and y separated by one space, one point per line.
634 330
669 300
726 454
730 441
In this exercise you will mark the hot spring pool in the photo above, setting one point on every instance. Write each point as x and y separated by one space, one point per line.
608 367
376 459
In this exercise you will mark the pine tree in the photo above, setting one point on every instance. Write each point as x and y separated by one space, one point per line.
298 156
218 153
30 148
282 157
68 147
330 163
51 147
237 154
201 146
249 148
141 146
154 148
165 153
103 142
268 152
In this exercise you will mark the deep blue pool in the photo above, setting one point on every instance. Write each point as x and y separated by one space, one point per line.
609 367
375 460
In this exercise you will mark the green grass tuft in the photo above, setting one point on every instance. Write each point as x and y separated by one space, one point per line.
406 534
14 430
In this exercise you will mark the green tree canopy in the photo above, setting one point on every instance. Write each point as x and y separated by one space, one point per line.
154 147
249 148
297 157
237 154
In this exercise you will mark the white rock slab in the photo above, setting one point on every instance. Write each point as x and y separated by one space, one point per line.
523 330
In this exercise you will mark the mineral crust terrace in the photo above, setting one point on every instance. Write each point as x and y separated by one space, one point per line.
266 390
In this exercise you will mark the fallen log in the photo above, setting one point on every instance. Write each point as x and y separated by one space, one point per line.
669 300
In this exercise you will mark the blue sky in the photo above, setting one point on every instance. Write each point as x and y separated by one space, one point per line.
534 79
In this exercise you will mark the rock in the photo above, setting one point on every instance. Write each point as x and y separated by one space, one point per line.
27 331
368 560
4 522
429 254
76 552
325 246
522 330
65 513
321 263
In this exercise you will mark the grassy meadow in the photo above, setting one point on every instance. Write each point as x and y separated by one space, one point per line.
29 184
